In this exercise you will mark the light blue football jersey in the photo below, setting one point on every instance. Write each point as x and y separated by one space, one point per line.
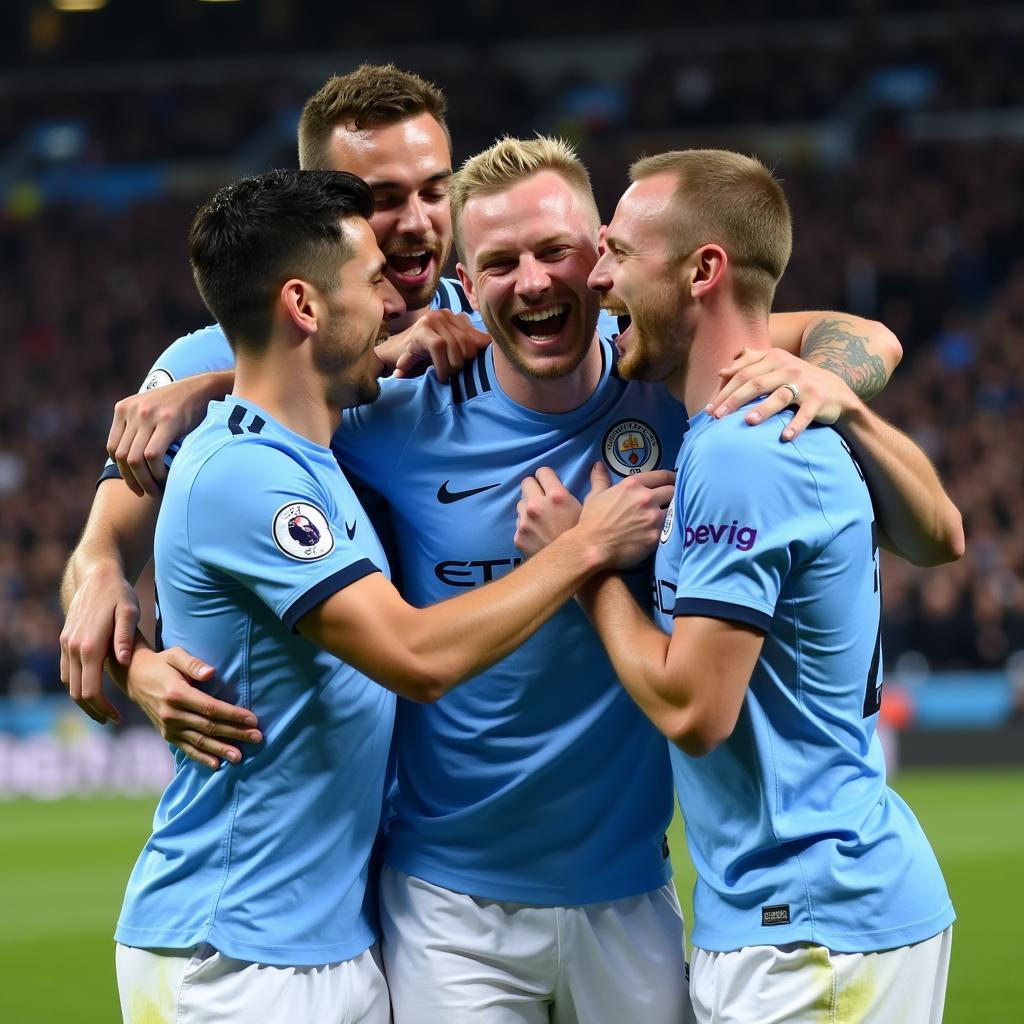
539 781
793 832
207 350
268 860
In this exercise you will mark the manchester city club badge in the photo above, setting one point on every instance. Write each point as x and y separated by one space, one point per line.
631 446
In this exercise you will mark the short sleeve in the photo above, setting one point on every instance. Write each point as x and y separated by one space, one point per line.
260 516
201 351
751 511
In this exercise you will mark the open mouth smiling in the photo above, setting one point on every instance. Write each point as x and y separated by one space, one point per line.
412 265
542 324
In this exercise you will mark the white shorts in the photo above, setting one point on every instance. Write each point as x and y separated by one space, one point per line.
202 986
799 984
456 959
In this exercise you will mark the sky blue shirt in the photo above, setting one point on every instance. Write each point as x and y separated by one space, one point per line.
268 860
539 781
793 832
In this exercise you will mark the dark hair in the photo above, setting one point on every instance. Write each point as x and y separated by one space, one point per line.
373 94
255 234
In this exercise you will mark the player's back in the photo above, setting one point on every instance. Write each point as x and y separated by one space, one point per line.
796 836
269 859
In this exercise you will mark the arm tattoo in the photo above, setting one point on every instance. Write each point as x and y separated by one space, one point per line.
832 347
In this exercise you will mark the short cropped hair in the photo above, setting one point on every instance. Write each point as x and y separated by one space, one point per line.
734 201
373 95
259 232
510 161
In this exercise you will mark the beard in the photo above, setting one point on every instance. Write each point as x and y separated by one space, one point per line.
419 296
348 368
547 368
657 343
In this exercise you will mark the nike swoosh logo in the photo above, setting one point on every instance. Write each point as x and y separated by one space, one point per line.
351 530
446 497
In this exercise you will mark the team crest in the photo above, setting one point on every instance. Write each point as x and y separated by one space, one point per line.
301 531
670 518
157 379
631 447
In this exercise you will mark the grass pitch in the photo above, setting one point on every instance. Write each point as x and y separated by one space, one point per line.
64 866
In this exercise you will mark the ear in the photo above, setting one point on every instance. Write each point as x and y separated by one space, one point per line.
707 269
467 283
301 304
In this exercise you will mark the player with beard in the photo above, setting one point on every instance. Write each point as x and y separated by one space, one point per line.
254 898
388 126
817 893
533 803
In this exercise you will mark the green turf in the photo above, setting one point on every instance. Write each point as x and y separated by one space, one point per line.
975 821
64 866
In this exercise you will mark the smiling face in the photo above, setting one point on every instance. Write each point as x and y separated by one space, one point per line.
408 167
358 311
528 251
641 281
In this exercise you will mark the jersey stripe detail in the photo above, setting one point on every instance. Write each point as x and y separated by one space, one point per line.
235 419
442 298
460 294
258 423
481 364
321 591
469 382
456 388
723 610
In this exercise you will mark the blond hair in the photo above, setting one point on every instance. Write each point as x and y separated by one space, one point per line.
734 201
510 161
373 95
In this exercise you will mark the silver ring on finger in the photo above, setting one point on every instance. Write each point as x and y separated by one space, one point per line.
794 389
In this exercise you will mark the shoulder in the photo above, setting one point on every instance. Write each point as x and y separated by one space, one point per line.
199 352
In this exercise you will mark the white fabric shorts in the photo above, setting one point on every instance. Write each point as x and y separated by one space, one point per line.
456 959
202 986
804 984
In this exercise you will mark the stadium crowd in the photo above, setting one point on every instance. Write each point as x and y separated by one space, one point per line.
919 235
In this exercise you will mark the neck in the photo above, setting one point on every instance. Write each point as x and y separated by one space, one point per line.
294 396
715 344
550 394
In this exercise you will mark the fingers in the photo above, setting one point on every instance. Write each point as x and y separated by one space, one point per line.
775 402
531 489
802 419
100 709
548 479
135 466
655 478
126 620
599 478
206 751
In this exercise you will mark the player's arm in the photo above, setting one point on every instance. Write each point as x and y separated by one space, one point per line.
916 517
421 653
817 362
100 605
691 684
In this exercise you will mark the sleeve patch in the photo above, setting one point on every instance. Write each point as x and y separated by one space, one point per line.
301 531
156 379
